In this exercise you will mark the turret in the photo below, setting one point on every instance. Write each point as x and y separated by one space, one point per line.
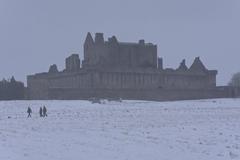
182 66
53 69
73 63
99 38
113 39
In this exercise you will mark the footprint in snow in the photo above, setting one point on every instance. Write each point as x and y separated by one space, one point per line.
233 155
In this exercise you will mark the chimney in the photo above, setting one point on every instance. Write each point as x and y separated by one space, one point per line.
99 38
160 63
141 41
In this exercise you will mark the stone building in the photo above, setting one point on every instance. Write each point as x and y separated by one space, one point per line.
128 70
100 53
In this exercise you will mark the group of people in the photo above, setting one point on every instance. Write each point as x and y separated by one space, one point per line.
42 112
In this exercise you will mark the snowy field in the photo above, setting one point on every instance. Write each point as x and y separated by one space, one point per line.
131 130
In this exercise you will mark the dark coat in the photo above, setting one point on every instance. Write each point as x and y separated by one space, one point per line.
29 110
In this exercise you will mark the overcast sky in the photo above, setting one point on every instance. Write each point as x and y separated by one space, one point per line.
37 33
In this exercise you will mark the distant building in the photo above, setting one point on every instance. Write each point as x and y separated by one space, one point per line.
11 90
128 70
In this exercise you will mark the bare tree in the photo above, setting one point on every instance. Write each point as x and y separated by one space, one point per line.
235 81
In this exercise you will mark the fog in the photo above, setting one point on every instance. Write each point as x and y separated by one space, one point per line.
36 34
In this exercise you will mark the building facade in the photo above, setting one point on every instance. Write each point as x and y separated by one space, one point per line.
127 70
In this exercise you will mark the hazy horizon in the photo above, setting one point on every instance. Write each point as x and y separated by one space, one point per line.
36 34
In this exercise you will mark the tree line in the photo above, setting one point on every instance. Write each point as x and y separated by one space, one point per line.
11 89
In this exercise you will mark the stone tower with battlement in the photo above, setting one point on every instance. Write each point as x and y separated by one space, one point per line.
72 63
112 53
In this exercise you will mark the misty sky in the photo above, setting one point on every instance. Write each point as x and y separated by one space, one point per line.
37 33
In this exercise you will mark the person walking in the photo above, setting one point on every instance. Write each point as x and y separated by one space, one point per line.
29 111
44 111
41 112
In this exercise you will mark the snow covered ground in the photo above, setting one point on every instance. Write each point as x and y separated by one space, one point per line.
131 130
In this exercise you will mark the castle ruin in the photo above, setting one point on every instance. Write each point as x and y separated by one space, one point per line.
112 69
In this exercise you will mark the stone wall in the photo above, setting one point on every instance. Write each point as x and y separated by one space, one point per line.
37 88
156 94
116 80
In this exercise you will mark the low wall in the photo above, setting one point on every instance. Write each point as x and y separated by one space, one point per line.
157 94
